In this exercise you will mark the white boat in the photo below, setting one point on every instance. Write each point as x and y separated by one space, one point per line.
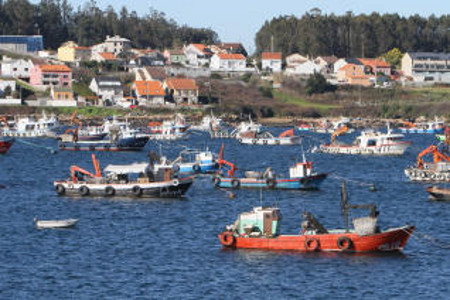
209 123
370 143
30 127
266 138
41 224
247 129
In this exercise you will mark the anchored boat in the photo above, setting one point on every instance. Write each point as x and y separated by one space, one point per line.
260 229
5 144
426 127
266 138
301 177
52 224
437 170
135 180
437 193
197 161
30 127
370 143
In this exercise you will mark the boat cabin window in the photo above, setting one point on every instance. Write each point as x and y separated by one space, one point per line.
371 142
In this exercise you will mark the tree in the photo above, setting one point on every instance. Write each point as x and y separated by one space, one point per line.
317 84
393 57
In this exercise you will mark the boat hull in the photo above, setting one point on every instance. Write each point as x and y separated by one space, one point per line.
56 224
422 130
163 189
5 144
416 174
393 149
271 141
127 144
439 193
305 183
389 240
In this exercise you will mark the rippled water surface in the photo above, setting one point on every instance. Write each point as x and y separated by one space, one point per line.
125 248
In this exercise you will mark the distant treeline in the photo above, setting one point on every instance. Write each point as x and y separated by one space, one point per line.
58 22
353 35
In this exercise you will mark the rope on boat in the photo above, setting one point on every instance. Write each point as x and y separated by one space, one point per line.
359 182
52 151
423 237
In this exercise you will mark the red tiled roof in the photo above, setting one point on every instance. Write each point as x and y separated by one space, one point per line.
374 62
348 66
149 88
271 55
107 55
55 68
231 56
181 84
202 48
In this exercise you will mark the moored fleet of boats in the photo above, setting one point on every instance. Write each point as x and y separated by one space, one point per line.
161 177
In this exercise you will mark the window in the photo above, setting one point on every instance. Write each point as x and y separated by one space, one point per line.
65 83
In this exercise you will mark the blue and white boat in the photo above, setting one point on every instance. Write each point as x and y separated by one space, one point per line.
433 127
197 161
301 177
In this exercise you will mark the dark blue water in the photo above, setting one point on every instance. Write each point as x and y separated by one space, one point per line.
126 248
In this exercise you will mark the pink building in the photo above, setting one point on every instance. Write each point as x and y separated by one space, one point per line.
56 75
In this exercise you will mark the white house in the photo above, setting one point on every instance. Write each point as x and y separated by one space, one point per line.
327 62
108 89
17 68
112 44
307 68
427 66
198 54
295 59
271 61
342 62
228 62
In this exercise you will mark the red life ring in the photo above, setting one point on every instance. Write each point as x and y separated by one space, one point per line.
227 239
312 244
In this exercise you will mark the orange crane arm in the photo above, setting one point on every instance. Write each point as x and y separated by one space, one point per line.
74 169
338 132
289 132
229 164
437 156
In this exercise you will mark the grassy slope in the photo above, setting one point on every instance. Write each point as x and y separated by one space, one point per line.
301 102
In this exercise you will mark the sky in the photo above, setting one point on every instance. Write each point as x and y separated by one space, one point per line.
239 21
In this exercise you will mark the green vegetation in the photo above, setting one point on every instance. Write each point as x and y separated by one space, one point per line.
301 102
82 89
352 35
317 84
393 57
59 22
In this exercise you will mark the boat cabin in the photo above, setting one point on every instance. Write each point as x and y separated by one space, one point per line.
139 172
371 139
262 221
301 170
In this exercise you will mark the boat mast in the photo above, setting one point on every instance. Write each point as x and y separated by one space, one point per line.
344 206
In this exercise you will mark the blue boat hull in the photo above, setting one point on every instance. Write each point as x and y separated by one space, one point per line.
416 130
306 183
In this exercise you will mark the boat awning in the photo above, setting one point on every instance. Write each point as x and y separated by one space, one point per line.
126 169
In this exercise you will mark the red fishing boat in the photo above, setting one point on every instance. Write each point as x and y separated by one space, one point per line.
5 144
259 229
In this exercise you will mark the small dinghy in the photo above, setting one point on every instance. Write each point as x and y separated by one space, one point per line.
41 224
